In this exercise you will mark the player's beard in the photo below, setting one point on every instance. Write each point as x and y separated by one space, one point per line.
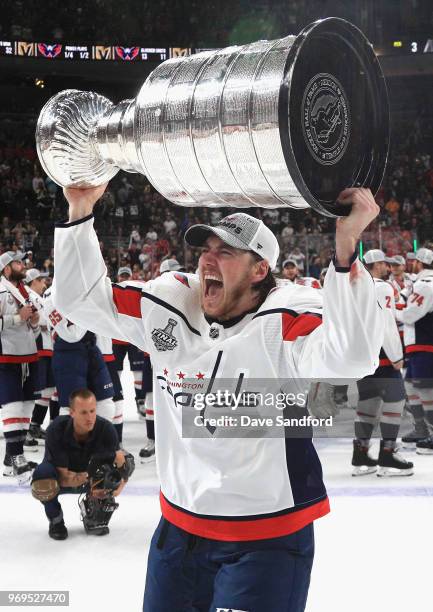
17 277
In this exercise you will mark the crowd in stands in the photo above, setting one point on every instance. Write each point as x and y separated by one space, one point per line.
164 23
193 23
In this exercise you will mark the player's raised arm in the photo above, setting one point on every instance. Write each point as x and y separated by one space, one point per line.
348 342
81 290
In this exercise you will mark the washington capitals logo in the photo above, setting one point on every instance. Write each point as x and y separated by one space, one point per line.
163 339
127 53
49 51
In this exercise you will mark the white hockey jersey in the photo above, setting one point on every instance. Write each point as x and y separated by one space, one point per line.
44 341
17 338
105 345
59 325
223 488
392 350
418 315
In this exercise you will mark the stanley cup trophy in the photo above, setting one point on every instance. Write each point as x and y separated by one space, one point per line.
282 123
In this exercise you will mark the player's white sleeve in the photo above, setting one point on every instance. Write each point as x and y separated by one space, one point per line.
81 289
348 342
65 329
39 304
418 305
391 339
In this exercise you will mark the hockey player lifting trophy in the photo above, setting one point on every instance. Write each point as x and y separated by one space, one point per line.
298 122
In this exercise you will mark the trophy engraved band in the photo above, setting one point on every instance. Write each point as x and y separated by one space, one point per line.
283 123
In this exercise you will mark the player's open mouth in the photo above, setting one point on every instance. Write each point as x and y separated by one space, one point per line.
212 285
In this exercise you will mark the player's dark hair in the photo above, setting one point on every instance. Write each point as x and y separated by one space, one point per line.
264 286
81 394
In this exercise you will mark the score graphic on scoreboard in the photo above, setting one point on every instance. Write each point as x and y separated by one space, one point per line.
61 51
53 51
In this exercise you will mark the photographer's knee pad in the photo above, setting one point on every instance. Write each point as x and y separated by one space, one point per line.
46 489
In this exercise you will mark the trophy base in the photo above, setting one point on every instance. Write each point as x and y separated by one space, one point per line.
65 139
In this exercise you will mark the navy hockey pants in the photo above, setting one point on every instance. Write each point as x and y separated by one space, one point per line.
186 573
81 366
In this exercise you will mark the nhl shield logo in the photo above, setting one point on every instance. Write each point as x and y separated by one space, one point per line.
163 339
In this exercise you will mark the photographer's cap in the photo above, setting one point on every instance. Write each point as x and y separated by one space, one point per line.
240 231
33 274
374 256
425 256
8 257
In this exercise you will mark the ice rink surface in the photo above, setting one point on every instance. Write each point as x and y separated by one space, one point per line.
372 550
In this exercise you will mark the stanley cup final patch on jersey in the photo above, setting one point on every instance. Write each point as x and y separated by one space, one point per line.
163 339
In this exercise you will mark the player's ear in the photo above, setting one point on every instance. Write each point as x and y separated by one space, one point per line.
260 270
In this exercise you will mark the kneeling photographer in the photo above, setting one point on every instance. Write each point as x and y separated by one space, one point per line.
82 456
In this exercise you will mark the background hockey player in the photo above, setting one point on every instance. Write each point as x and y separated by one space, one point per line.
148 451
410 261
19 326
237 519
381 396
136 358
77 362
418 339
105 345
289 270
36 286
399 278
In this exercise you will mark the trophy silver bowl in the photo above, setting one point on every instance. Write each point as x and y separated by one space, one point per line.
282 123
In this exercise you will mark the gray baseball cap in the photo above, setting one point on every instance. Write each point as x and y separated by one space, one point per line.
425 256
398 260
240 231
170 265
374 256
10 256
124 270
33 274
288 261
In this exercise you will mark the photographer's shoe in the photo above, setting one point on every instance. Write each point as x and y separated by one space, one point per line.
99 531
58 530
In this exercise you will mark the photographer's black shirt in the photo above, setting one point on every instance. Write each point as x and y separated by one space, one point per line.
64 451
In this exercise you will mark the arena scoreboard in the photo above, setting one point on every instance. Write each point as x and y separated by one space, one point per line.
59 51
